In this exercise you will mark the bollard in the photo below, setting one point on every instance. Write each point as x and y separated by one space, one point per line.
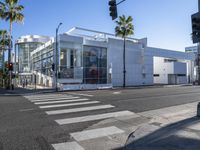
198 110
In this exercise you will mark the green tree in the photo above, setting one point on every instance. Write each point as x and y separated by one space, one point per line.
124 29
4 40
11 11
4 45
2 8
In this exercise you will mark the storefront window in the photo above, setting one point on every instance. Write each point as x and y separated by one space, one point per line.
70 64
94 65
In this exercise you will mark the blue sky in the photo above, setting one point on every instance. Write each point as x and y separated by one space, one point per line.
166 23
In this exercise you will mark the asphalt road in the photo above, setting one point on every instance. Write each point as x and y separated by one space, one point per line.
144 99
25 126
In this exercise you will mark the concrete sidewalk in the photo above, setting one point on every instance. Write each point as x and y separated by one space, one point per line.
171 128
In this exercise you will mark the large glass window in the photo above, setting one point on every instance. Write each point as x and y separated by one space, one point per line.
70 64
94 65
43 60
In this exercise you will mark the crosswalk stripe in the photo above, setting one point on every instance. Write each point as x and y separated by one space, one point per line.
95 117
71 104
96 133
53 99
61 101
67 146
49 97
81 94
64 111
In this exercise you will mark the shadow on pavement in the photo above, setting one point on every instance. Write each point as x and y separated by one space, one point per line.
19 91
168 138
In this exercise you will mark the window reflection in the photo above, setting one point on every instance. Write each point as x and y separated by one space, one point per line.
95 65
70 64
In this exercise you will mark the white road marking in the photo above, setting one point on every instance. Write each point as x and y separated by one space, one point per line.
67 146
63 101
81 94
28 109
64 111
49 97
119 92
95 117
96 133
53 99
71 104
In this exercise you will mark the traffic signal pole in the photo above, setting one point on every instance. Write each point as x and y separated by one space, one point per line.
121 2
196 38
199 5
198 51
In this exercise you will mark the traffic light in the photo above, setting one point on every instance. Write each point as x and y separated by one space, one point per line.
196 27
10 66
53 67
113 9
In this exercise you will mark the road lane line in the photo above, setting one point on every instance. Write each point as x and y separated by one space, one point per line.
61 101
64 111
71 104
81 94
67 146
54 99
95 117
96 133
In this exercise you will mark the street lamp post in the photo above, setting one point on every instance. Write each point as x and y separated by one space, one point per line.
56 74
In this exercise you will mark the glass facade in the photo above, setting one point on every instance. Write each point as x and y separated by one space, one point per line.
77 63
94 65
70 65
42 61
24 50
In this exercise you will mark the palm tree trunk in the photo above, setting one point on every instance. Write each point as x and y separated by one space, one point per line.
124 63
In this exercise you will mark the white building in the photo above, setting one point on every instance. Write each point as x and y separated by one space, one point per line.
93 59
169 71
25 45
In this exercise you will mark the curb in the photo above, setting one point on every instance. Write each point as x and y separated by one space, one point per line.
28 93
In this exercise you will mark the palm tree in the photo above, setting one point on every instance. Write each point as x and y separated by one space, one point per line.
11 12
124 29
4 45
2 8
4 40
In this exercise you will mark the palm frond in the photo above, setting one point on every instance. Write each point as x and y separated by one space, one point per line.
124 26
